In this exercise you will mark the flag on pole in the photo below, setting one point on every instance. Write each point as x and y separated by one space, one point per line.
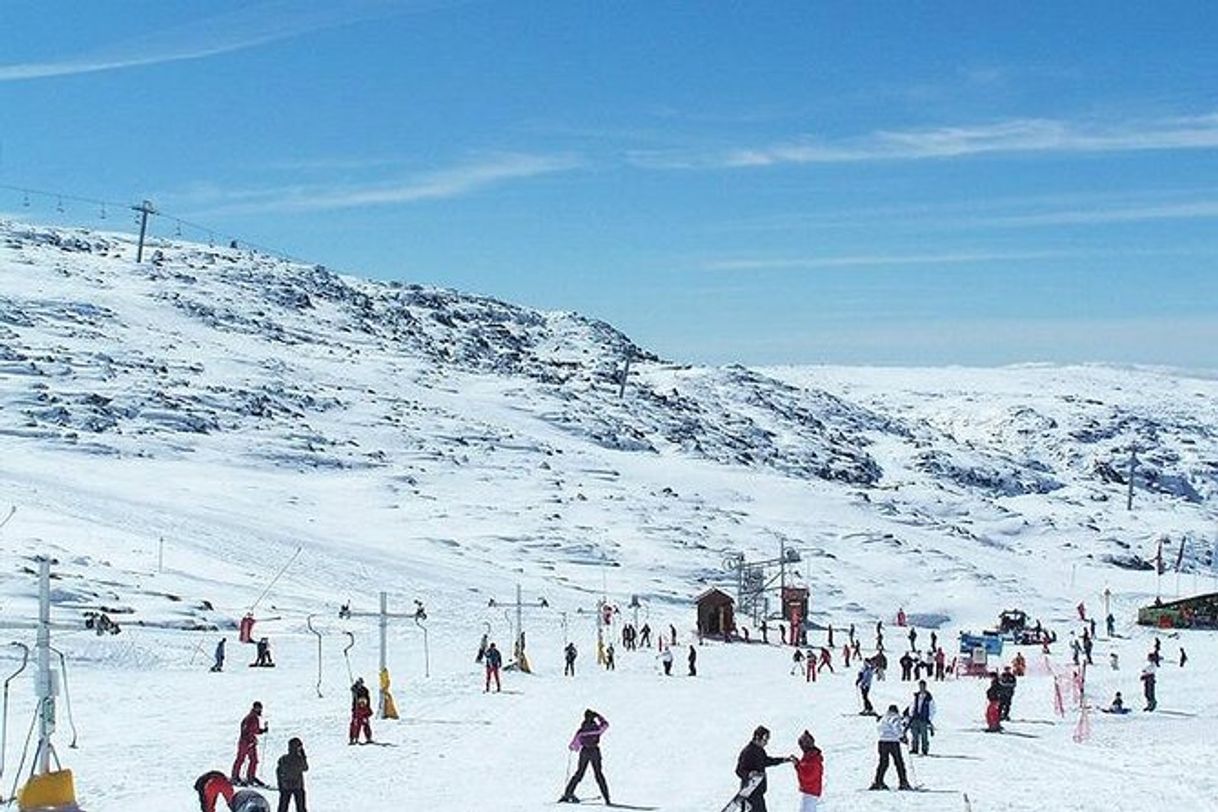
1180 555
1159 558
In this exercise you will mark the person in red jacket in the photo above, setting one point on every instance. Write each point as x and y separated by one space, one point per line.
810 770
247 747
361 712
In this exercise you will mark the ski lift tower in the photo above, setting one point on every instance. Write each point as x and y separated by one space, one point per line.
47 790
386 709
522 661
755 579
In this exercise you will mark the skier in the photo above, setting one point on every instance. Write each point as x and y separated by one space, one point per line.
693 661
610 665
1019 666
1110 623
1183 657
569 654
290 775
1156 655
881 664
218 665
1148 684
361 716
754 759
940 664
247 747
1075 650
587 742
765 631
891 729
850 634
646 635
846 652
863 681
494 661
906 667
913 639
1113 660
1082 611
901 616
830 641
797 660
921 720
359 691
810 770
1006 682
673 629
1087 647
666 659
934 641
993 711
826 660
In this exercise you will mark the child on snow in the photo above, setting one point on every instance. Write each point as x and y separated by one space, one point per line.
360 716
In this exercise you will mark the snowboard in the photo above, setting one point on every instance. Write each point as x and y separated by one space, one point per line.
737 801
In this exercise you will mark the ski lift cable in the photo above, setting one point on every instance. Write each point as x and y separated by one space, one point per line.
25 658
67 694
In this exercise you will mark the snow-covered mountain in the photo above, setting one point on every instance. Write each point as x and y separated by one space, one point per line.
445 446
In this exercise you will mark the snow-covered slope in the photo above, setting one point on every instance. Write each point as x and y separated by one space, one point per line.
445 446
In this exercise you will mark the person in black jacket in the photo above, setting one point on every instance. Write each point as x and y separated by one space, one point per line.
753 759
1006 682
290 774
693 661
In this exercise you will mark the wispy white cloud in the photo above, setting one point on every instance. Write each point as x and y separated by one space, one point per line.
248 27
452 182
1196 210
1009 137
880 260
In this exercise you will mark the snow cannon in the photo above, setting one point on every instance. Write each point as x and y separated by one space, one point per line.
49 792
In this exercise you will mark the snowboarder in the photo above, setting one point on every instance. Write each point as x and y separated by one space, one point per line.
1118 705
218 665
810 770
1148 684
247 747
264 655
921 720
610 664
693 661
494 661
569 654
587 742
1006 682
863 681
666 660
289 774
993 710
754 759
891 729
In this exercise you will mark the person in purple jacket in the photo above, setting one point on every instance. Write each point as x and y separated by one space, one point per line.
587 742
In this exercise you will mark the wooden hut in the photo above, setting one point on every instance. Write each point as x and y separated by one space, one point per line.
715 613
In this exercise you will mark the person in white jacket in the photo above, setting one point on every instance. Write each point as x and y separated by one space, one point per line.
891 730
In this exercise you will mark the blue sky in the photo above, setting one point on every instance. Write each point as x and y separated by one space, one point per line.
814 182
